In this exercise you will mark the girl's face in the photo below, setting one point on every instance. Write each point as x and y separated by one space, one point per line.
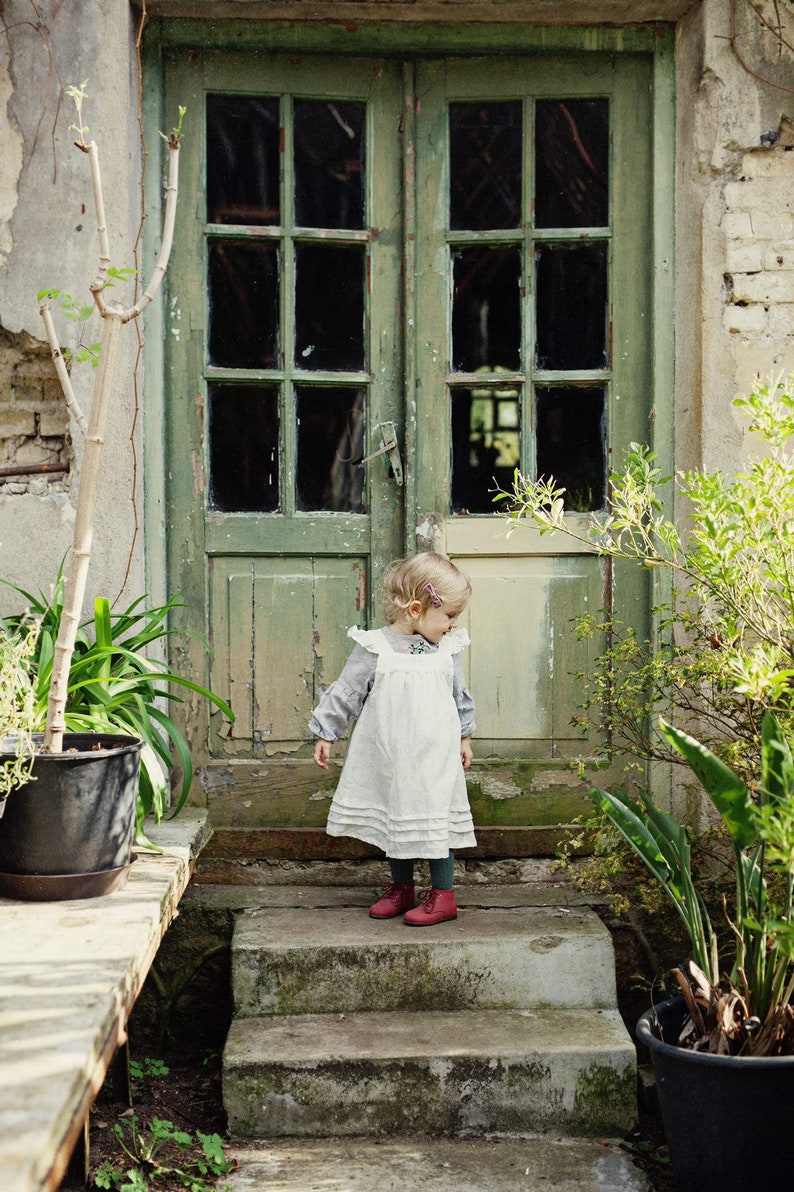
434 623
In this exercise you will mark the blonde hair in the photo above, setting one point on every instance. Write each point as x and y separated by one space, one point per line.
419 577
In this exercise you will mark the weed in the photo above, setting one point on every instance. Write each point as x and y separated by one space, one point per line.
163 1152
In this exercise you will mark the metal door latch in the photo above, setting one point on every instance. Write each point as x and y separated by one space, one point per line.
388 446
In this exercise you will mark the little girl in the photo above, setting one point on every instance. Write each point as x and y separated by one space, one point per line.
402 786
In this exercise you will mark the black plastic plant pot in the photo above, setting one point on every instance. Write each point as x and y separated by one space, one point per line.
69 832
727 1119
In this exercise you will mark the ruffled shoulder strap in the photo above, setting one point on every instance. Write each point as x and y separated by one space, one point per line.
373 640
455 641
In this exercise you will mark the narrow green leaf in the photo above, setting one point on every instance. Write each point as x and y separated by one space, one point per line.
725 789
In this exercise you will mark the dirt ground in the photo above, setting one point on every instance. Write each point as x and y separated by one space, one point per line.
188 1096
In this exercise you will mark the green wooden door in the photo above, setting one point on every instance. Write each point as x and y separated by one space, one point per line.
455 250
533 292
285 365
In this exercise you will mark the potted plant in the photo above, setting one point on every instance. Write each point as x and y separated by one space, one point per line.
720 661
118 684
723 1049
95 776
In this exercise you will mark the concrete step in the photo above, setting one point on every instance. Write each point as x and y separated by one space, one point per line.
321 960
525 1164
572 1071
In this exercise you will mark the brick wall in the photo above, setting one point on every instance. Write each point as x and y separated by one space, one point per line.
759 244
35 449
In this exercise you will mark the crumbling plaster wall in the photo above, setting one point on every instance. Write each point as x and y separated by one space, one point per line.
48 238
734 225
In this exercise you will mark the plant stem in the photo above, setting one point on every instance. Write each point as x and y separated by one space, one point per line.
83 535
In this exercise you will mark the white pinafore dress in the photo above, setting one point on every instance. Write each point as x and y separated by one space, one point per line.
402 786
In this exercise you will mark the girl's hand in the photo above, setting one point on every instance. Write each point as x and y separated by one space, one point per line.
322 752
466 752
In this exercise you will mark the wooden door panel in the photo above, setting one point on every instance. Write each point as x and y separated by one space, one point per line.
525 655
280 628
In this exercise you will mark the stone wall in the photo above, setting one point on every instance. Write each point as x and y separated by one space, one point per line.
758 226
734 163
35 448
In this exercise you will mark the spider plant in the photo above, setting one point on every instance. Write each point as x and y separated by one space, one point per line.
117 684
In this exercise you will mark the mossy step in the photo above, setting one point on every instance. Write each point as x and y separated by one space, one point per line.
526 1164
338 960
430 1073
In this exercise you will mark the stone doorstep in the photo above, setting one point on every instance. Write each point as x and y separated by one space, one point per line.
525 1164
69 976
242 896
415 1072
303 961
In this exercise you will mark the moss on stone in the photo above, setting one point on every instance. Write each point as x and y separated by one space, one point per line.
599 1091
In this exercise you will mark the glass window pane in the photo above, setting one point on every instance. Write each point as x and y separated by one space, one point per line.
571 311
243 304
486 308
329 164
243 448
329 306
572 163
485 165
330 444
242 159
571 435
486 445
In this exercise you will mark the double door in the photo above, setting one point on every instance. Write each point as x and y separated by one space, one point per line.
396 283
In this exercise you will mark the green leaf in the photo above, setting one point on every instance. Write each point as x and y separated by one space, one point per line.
212 1145
661 843
627 817
725 789
136 1182
106 1176
777 764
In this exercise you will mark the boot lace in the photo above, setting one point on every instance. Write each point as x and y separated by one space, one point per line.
429 900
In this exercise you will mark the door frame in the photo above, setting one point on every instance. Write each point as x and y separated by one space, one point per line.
404 41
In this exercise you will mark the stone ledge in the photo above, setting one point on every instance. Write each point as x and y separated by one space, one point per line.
70 974
219 896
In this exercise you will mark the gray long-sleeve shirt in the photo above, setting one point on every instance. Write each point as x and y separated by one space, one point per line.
342 702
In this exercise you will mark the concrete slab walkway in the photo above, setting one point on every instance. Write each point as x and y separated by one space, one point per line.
70 973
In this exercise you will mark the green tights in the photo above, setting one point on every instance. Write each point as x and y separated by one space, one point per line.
441 870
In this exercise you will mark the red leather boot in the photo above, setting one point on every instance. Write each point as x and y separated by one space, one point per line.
395 899
436 906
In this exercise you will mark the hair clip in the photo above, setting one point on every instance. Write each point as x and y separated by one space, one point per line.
435 599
